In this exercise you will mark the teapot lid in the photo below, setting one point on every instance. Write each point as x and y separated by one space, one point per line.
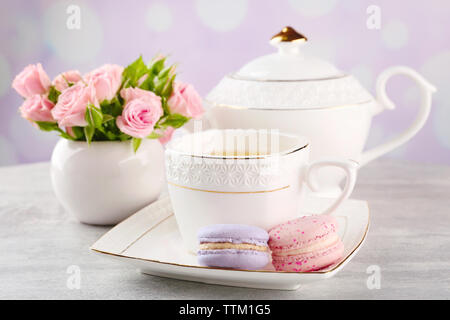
288 79
289 63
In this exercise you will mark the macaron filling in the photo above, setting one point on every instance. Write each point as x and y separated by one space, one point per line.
332 240
255 241
228 245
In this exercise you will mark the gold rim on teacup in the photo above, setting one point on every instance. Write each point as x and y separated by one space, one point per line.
299 144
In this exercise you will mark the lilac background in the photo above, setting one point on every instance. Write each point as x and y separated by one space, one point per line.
209 38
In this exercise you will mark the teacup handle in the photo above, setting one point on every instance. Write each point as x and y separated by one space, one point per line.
350 168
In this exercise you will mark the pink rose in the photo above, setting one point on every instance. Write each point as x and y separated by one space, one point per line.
166 135
129 94
72 104
32 80
140 114
106 80
185 100
37 108
62 81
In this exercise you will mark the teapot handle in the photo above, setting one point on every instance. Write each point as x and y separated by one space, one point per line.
426 89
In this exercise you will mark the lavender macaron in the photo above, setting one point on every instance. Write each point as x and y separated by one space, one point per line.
233 246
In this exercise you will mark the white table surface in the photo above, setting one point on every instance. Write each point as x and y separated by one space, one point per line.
409 241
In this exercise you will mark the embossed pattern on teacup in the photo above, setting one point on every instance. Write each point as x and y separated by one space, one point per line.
184 170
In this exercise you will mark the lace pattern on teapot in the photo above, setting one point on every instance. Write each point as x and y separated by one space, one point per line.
345 90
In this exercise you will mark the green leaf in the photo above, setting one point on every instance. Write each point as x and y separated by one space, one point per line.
157 66
148 84
65 135
89 133
133 72
124 137
175 120
113 107
107 117
167 90
165 72
165 106
52 126
53 94
94 116
136 143
159 87
154 135
111 136
78 132
47 126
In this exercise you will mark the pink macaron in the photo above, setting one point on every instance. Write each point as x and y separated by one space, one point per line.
305 244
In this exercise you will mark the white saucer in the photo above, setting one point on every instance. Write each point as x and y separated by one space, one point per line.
150 240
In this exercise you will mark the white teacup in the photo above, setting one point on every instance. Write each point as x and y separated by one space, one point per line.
244 177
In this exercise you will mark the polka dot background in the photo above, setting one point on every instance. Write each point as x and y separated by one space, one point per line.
210 38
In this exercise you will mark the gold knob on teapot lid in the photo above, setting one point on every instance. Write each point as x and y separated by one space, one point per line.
288 34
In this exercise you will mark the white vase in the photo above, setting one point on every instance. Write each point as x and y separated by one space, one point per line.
106 182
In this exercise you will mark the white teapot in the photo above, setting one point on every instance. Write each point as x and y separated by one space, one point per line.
304 95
